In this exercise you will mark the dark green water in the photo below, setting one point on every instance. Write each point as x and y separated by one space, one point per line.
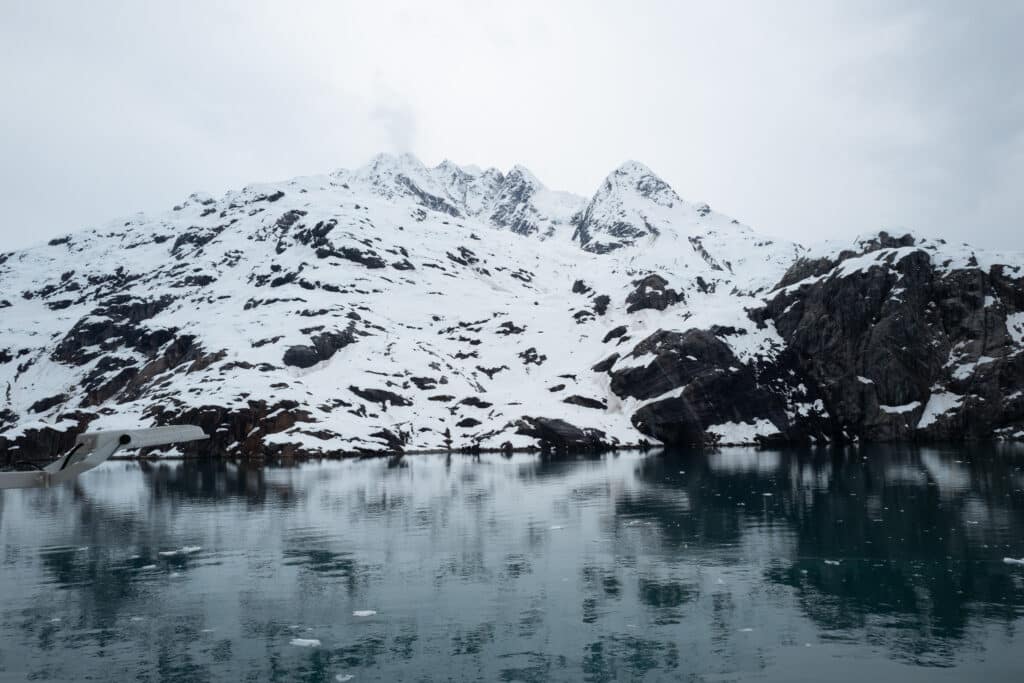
874 564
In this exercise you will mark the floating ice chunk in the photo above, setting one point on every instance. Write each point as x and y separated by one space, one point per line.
207 630
342 678
305 642
148 567
55 620
556 527
834 563
746 630
364 613
187 550
1010 560
137 618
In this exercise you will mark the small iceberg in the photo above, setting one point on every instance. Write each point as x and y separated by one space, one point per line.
556 527
364 613
342 678
305 642
834 563
187 550
1010 560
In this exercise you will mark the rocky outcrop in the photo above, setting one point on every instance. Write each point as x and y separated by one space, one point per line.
698 383
324 346
652 292
562 437
902 347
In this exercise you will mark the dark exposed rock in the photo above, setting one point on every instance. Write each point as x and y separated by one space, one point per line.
301 356
366 257
467 422
43 444
508 327
475 402
381 396
606 364
324 346
113 324
612 334
652 292
580 287
44 404
906 328
585 402
561 436
491 372
601 302
714 388
531 357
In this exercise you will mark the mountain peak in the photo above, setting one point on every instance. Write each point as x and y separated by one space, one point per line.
632 203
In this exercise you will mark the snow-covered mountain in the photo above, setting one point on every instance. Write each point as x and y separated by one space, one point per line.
401 307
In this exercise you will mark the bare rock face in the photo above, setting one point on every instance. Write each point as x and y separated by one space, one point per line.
323 347
699 383
903 347
561 436
652 292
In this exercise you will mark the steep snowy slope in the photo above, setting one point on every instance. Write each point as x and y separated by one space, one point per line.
403 307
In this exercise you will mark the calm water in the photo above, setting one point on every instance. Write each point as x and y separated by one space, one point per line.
736 565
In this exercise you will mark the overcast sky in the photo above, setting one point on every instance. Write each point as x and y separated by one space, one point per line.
806 120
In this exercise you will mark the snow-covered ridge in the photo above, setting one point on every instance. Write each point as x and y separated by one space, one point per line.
398 306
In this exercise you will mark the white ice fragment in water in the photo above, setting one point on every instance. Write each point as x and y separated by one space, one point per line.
556 527
147 567
766 494
187 550
342 678
364 613
746 630
207 630
175 575
55 620
1011 560
832 562
137 618
305 642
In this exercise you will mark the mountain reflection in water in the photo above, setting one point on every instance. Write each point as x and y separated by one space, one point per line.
831 564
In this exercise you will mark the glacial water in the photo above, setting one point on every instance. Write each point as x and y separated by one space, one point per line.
878 564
